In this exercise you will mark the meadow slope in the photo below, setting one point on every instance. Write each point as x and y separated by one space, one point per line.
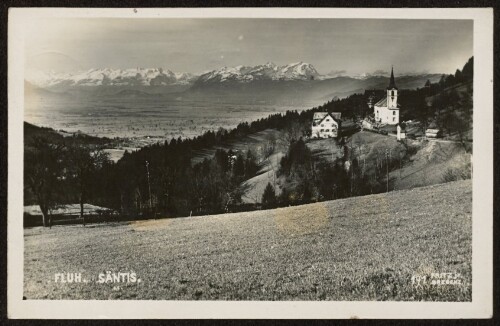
364 248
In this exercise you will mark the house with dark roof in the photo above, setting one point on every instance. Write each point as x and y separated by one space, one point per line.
326 125
386 110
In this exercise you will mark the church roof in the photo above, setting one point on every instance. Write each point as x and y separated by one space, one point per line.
392 83
383 102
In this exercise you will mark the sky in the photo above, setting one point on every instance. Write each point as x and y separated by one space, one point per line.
349 46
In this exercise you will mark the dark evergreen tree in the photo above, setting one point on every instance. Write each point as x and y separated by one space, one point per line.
251 166
83 164
269 199
239 167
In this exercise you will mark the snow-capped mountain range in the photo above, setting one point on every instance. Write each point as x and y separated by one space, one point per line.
112 77
160 76
299 71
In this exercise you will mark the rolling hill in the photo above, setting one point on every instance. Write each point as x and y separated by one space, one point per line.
364 248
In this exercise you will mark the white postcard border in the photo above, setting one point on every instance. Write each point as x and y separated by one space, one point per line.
482 226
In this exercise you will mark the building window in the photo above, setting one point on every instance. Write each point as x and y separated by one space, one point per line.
393 119
322 130
393 112
322 125
327 120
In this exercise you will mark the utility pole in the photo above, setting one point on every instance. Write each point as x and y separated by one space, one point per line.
364 166
400 165
352 177
149 188
362 153
387 168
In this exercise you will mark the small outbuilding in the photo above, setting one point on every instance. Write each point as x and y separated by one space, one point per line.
65 213
400 131
432 133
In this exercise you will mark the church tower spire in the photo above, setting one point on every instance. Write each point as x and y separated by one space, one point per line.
392 83
392 92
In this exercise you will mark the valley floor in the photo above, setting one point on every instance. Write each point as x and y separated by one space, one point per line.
364 248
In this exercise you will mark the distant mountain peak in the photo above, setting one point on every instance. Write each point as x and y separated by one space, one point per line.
267 71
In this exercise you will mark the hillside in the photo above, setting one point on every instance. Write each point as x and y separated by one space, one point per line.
314 91
364 248
435 162
256 142
427 165
31 131
462 89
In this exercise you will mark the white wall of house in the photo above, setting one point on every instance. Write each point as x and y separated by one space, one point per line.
328 128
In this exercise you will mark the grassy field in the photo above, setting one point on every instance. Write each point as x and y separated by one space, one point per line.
364 248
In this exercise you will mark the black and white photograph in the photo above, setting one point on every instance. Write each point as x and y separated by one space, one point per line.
212 158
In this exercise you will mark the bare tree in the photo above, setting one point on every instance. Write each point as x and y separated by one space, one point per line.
292 133
269 147
43 170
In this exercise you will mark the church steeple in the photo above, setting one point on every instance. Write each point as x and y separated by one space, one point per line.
392 92
392 83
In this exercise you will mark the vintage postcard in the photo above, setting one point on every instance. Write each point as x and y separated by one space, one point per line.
250 163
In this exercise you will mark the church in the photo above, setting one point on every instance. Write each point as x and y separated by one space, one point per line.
386 110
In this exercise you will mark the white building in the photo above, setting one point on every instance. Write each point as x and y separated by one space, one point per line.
325 125
386 110
401 132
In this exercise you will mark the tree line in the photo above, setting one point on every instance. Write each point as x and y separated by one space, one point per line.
61 172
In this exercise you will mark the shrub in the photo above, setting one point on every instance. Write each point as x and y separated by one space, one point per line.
455 174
